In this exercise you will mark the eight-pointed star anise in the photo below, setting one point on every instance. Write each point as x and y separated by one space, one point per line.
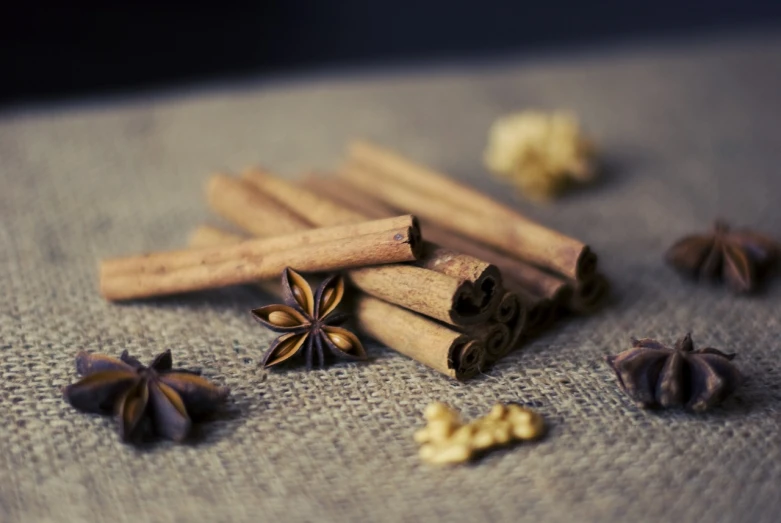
156 399
308 322
738 257
657 376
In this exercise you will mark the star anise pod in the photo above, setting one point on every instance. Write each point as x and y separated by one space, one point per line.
657 376
309 323
738 257
156 399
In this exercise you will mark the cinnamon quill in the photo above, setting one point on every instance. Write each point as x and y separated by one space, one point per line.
436 197
395 245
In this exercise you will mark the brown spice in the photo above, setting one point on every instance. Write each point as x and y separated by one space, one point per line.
588 295
512 315
541 312
156 399
737 257
308 322
654 375
250 210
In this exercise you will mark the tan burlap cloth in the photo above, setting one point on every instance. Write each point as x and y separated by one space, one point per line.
692 131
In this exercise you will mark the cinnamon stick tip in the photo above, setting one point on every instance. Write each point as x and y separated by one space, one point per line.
589 295
414 238
586 266
539 316
466 357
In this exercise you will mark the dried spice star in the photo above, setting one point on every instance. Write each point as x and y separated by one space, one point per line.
738 257
658 376
146 400
309 322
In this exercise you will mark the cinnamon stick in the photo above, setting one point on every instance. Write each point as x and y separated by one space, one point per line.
589 295
159 262
440 199
474 283
437 346
346 194
540 311
208 236
512 313
396 245
496 339
449 352
476 301
250 210
306 204
427 292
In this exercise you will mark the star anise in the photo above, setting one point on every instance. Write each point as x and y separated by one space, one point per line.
738 257
657 376
308 322
156 399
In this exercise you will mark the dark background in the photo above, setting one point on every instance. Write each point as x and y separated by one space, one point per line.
48 51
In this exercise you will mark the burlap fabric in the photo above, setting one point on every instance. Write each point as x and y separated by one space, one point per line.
690 131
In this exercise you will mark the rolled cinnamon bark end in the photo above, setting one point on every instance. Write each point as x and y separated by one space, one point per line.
512 315
516 323
495 337
236 201
540 311
589 295
440 348
586 265
387 247
466 357
507 308
497 340
485 277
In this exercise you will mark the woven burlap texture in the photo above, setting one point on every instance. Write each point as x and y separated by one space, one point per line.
690 133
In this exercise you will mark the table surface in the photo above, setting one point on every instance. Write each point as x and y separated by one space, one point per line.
690 131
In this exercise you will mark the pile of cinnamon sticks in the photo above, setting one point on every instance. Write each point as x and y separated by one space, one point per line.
482 277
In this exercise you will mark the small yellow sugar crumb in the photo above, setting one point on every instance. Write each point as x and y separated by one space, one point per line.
447 440
540 153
